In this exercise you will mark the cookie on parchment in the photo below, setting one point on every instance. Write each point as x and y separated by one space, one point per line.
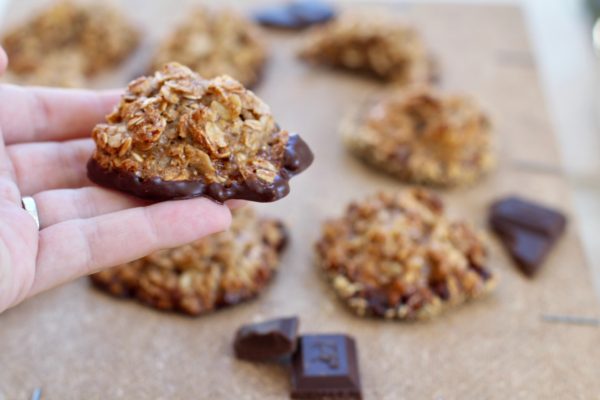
396 255
372 44
220 270
421 136
68 43
213 43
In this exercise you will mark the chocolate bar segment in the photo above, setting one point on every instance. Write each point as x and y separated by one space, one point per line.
530 216
295 15
267 341
326 366
529 231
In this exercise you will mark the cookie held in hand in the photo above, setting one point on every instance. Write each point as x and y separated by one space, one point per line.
396 256
175 135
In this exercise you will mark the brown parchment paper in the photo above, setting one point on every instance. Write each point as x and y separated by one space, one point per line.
76 343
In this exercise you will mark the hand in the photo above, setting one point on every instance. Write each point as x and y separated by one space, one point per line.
84 228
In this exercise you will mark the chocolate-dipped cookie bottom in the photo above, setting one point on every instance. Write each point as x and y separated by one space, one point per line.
297 158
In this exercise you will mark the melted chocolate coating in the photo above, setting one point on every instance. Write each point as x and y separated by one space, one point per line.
297 158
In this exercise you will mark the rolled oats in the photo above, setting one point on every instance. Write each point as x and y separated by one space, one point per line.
421 136
395 255
177 135
373 44
214 43
69 42
214 272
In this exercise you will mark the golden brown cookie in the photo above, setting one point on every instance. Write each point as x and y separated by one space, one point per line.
396 255
421 136
372 44
214 272
176 135
214 43
68 42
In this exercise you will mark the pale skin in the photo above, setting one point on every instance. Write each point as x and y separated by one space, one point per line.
44 146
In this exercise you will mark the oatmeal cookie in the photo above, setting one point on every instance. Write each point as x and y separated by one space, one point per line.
214 43
395 255
176 135
371 44
214 272
421 136
69 42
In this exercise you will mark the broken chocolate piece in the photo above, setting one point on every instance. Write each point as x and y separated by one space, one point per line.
326 366
266 341
528 230
295 15
176 135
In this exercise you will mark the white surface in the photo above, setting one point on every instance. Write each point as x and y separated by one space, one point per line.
561 37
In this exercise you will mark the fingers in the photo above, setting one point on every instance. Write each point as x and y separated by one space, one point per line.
48 114
50 165
79 247
9 190
3 61
235 204
55 206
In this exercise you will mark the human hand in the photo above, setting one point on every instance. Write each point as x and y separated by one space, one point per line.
83 228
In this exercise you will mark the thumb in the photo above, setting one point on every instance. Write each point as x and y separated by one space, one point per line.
3 61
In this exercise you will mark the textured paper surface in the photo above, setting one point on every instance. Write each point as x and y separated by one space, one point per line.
75 342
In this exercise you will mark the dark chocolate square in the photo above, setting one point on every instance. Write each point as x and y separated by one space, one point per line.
267 341
295 15
326 366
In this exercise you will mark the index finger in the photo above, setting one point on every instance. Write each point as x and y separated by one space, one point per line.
34 114
3 61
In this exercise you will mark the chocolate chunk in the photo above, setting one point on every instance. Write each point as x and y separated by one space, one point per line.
325 366
529 231
295 15
266 341
530 216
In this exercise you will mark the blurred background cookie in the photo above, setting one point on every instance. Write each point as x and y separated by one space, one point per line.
69 42
217 271
396 255
421 136
215 43
372 44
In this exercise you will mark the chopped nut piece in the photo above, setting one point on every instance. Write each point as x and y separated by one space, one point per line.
221 142
373 44
395 255
213 43
218 271
69 42
420 136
